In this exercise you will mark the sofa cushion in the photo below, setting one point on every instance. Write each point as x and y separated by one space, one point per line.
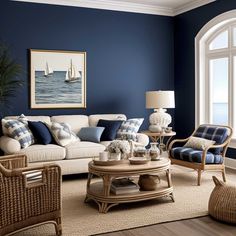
19 131
129 129
39 153
91 134
193 155
41 132
111 128
105 143
83 149
93 119
76 122
62 133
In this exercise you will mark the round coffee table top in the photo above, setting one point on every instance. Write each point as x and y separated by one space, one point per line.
127 167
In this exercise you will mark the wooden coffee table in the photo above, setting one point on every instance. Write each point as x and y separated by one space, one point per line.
99 191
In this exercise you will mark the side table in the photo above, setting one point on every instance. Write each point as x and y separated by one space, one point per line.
155 137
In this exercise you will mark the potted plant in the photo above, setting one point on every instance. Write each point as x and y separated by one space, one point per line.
9 80
118 149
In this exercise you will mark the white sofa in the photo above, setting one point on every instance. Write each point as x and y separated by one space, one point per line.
72 158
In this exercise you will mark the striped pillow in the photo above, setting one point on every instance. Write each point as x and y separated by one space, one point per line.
19 131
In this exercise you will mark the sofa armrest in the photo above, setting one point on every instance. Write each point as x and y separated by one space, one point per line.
9 145
142 139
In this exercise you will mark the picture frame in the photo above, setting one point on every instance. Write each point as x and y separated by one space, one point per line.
57 79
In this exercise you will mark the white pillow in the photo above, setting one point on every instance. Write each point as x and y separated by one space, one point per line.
199 143
62 133
19 131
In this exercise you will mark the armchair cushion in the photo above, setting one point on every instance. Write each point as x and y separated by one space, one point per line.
218 134
193 155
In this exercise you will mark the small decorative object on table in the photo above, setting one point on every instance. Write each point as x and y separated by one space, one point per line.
148 182
118 149
168 129
138 160
124 186
154 151
103 156
140 152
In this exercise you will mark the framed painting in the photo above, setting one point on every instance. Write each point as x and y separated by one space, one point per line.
57 79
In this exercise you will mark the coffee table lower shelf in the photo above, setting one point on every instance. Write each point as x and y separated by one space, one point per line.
95 193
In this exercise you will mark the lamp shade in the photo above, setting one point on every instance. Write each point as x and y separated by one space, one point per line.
160 99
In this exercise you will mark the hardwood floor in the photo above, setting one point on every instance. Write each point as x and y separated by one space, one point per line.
202 226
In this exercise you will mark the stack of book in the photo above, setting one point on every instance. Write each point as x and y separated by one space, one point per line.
123 186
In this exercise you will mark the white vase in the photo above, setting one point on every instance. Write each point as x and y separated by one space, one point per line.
115 156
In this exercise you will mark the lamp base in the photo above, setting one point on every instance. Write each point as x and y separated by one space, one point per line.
160 118
155 128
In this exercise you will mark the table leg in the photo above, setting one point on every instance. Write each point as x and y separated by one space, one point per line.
90 176
168 142
168 176
154 138
106 185
161 145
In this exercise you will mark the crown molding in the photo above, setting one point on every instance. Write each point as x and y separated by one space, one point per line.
109 5
191 6
124 6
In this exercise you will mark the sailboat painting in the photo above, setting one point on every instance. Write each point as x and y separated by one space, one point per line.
48 70
72 74
57 79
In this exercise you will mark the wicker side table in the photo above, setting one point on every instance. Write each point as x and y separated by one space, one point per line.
155 137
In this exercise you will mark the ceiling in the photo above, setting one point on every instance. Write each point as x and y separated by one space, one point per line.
156 7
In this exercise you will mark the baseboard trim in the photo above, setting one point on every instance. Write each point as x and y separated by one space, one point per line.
230 163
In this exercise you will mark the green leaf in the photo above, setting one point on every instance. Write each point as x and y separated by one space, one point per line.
10 82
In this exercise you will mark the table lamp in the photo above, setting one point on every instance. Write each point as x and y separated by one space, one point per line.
159 100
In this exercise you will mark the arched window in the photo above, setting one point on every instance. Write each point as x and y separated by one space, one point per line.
215 80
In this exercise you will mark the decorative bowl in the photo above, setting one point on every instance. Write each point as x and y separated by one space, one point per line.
138 160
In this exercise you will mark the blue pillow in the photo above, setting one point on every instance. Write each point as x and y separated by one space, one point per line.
111 128
40 132
91 134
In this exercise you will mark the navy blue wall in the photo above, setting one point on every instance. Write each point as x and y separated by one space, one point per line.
127 53
187 26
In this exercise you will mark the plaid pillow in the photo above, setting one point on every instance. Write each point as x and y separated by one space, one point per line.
129 129
19 131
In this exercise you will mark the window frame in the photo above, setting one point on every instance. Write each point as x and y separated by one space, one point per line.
203 55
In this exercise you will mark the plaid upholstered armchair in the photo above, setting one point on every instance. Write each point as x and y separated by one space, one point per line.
28 195
205 149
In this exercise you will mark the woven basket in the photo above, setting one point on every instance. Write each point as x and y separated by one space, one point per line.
148 182
222 202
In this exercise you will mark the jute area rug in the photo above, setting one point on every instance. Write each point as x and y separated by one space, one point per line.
80 219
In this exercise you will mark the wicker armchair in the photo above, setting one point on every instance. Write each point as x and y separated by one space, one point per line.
211 158
28 196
